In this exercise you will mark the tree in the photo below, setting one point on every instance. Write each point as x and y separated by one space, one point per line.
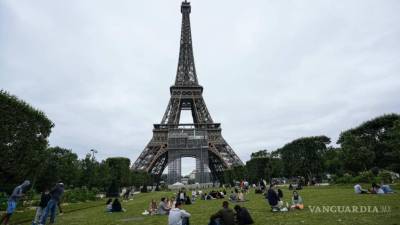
276 165
119 173
23 140
59 165
303 156
140 178
333 162
259 167
373 143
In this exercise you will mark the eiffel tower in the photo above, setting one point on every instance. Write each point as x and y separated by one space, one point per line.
172 140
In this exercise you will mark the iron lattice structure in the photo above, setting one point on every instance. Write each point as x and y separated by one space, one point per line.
202 140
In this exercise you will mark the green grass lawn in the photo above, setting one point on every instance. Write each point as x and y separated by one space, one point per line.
93 212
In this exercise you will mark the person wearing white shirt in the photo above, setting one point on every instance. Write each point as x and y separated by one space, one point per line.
359 190
178 216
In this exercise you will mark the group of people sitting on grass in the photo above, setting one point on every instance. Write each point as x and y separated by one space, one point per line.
225 216
213 195
375 189
237 196
167 204
274 197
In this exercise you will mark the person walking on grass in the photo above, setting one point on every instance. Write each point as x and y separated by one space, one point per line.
17 193
56 194
44 199
178 216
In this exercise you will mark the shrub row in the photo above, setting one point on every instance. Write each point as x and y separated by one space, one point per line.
365 177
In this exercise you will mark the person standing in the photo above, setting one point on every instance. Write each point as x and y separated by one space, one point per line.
178 216
56 194
44 199
17 193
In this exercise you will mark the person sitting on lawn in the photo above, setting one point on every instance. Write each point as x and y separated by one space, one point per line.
163 208
240 196
116 206
153 207
243 216
359 190
225 216
171 203
233 196
109 205
273 198
178 216
297 201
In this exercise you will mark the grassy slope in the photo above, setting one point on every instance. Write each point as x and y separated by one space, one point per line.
201 210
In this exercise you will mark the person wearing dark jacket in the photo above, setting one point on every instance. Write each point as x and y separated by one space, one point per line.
243 216
116 206
273 198
225 216
56 194
44 199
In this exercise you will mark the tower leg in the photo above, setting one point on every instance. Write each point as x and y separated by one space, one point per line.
174 169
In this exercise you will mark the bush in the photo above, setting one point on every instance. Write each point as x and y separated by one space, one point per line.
365 177
385 176
80 195
3 201
345 179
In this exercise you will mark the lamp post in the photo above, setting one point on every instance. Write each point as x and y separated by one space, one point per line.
94 151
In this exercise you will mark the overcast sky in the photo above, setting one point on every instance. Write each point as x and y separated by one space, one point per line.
272 71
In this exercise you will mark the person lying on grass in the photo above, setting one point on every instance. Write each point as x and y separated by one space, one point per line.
386 188
359 190
297 201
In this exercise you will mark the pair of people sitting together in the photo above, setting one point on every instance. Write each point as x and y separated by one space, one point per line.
227 216
237 196
163 208
275 196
